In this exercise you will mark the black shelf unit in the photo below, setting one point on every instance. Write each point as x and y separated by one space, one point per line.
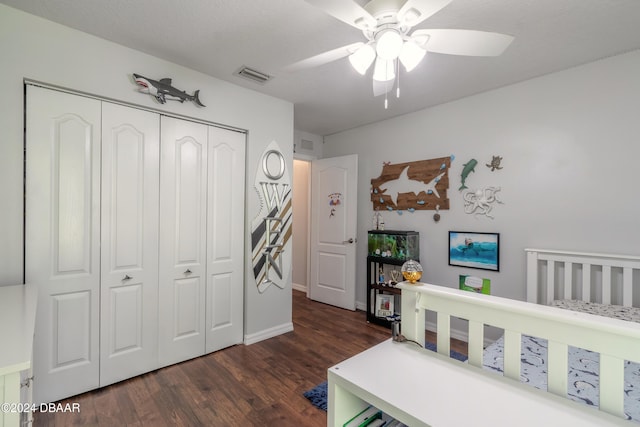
374 263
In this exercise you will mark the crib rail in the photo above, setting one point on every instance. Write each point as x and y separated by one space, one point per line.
593 277
615 340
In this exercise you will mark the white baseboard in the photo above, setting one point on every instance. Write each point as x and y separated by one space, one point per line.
459 335
456 334
362 306
299 287
268 333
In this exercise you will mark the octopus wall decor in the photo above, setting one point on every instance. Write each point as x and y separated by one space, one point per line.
481 201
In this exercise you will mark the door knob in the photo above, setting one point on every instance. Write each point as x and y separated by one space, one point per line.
187 271
348 241
127 277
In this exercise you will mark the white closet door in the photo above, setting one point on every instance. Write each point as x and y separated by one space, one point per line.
183 204
62 232
129 253
225 239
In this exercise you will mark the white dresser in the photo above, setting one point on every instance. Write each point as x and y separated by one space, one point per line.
17 320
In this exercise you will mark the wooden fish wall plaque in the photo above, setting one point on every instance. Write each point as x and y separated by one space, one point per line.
412 186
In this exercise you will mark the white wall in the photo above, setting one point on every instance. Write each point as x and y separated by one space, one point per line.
571 148
301 186
307 147
33 48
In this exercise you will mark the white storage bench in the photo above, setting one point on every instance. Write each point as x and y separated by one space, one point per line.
422 388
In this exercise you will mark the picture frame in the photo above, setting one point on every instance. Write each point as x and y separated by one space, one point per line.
384 305
474 250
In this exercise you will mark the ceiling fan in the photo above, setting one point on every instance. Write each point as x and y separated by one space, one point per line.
387 25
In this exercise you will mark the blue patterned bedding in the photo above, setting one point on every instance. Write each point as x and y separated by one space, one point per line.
584 366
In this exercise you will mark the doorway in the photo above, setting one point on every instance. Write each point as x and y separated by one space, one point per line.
300 233
324 267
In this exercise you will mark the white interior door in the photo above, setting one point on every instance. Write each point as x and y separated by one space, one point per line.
225 237
129 252
183 240
62 244
333 231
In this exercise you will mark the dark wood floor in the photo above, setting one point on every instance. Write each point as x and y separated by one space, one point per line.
259 384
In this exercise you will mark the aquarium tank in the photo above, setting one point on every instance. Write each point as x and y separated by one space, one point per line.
394 244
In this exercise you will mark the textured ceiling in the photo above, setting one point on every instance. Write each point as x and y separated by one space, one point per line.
216 37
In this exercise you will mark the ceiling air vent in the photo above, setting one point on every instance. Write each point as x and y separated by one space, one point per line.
305 144
253 75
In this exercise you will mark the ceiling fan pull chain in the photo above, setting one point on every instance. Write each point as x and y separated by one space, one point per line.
398 78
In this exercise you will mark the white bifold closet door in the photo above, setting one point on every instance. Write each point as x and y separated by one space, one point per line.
183 240
129 242
62 248
201 239
225 239
134 236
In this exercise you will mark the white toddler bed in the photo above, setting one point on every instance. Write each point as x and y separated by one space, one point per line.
574 278
576 354
551 275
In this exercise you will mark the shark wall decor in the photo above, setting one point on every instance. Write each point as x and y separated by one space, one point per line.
411 186
161 89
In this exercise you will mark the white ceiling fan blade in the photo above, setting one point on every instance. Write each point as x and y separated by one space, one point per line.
415 11
463 42
380 88
323 58
347 11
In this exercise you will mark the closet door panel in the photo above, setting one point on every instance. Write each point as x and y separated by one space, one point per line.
71 315
182 240
220 300
186 296
62 239
126 312
130 197
225 237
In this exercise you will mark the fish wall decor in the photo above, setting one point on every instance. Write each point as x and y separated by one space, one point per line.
468 167
412 186
161 89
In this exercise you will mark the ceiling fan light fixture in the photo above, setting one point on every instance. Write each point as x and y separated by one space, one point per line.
384 70
411 55
389 44
362 58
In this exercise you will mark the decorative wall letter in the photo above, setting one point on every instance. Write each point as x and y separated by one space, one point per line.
271 229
